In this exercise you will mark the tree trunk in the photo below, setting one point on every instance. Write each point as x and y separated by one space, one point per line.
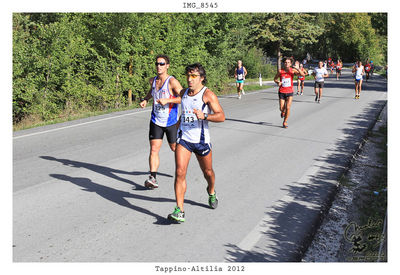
279 54
130 90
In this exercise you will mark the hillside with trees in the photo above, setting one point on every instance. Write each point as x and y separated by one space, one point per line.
65 64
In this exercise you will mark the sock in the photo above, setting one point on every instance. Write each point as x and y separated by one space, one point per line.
154 174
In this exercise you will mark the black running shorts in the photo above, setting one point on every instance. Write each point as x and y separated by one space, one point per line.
319 84
284 95
157 132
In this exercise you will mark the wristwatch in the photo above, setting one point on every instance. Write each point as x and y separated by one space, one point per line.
205 116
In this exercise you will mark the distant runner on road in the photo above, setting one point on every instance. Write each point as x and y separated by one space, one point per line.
359 71
301 79
284 79
339 66
319 74
240 74
367 69
164 89
199 106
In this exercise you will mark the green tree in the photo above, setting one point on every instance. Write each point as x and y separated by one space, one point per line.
284 32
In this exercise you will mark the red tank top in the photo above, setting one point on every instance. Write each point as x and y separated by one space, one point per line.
287 81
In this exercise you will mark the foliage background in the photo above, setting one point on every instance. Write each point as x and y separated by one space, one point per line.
65 64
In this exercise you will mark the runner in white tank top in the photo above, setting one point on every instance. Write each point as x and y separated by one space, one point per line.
359 71
165 91
163 115
191 128
199 105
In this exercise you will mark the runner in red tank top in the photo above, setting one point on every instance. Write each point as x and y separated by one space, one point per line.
284 79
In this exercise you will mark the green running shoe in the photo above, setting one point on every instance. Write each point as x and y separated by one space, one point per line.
177 215
212 200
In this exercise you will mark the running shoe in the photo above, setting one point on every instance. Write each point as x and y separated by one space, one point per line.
151 183
319 101
177 215
212 199
240 96
243 93
301 93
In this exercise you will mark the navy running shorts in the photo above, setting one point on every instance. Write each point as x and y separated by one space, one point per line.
200 149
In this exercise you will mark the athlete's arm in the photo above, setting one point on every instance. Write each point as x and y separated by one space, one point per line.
148 96
175 88
217 114
277 79
298 72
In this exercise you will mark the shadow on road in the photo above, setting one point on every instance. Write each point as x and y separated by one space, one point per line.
292 222
106 171
253 122
119 197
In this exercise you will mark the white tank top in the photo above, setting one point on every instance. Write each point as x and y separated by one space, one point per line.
167 115
191 129
359 72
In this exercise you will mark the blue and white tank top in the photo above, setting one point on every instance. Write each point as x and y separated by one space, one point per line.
359 71
191 129
240 73
167 115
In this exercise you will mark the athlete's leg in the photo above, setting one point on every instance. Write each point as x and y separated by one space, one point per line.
288 104
208 172
282 105
316 93
238 88
182 158
356 87
320 93
359 87
154 158
298 86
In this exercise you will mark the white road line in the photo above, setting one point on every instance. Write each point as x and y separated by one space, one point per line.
94 121
80 124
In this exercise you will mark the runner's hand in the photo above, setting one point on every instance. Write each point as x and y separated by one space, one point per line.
162 101
143 103
199 114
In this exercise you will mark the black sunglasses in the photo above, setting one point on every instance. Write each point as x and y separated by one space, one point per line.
160 63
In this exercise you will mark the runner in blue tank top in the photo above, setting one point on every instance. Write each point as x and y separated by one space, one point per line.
164 89
240 74
199 106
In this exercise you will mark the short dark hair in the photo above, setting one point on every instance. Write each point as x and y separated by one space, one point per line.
163 56
197 67
288 58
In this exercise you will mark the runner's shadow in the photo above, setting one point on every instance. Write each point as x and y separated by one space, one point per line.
106 171
253 122
119 197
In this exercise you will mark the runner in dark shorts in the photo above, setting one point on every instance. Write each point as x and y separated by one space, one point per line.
284 79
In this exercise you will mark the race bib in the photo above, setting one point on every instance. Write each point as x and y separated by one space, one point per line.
161 111
240 77
189 120
286 82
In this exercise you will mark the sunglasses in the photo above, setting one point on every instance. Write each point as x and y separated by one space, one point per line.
160 63
193 76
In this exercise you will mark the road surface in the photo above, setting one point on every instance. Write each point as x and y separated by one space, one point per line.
78 192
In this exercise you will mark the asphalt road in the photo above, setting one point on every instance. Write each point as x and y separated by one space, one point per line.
78 192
